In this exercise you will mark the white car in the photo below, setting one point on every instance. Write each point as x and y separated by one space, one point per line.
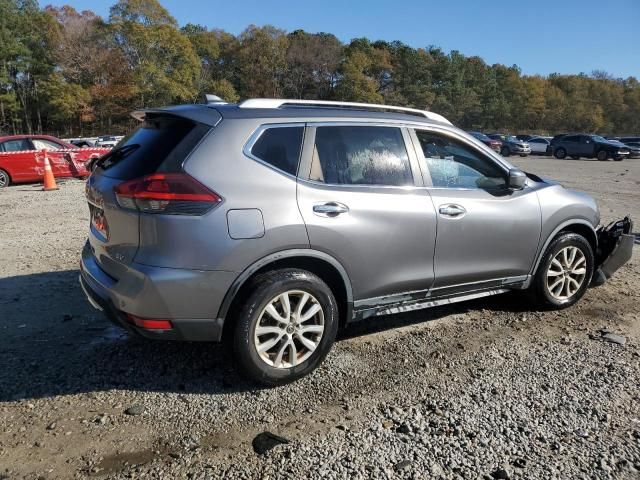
539 144
107 141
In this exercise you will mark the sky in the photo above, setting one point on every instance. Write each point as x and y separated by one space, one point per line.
541 36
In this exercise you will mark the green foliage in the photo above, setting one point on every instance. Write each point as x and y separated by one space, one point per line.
69 72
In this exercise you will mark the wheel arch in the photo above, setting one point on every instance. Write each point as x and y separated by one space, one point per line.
576 225
321 264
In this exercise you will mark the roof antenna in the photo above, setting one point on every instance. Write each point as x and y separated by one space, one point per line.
211 99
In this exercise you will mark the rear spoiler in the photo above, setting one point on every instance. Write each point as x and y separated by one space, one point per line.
205 114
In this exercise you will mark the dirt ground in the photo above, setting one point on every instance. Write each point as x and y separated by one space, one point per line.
68 378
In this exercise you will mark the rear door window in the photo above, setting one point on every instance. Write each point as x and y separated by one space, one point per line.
360 155
159 144
279 147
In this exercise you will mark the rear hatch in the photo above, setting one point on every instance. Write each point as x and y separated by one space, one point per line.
143 175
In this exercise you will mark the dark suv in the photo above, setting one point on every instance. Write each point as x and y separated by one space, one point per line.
585 145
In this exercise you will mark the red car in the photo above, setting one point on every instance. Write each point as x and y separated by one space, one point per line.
489 142
22 158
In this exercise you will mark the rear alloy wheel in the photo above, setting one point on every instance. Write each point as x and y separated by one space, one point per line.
286 327
602 155
4 179
564 272
560 153
505 152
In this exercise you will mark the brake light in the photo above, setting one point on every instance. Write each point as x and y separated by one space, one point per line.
166 193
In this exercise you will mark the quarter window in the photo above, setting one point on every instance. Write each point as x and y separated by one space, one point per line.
279 147
360 155
453 164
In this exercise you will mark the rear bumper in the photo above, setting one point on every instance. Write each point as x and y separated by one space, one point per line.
188 299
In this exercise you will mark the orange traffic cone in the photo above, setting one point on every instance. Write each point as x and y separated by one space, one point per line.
49 179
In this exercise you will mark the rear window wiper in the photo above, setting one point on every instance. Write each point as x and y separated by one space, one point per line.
115 155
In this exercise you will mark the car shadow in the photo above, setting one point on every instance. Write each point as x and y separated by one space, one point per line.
52 342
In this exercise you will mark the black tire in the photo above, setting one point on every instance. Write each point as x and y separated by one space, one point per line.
560 153
575 157
505 152
523 154
618 159
263 290
5 179
602 155
539 288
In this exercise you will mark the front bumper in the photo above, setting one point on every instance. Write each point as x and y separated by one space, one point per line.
615 248
184 297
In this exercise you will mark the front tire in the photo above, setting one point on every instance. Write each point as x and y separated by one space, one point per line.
564 273
505 152
560 153
5 180
286 327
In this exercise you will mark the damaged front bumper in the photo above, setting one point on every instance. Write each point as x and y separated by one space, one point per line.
615 247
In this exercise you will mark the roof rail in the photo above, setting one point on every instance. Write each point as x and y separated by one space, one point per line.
277 103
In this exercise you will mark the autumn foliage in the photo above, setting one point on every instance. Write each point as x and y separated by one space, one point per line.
74 73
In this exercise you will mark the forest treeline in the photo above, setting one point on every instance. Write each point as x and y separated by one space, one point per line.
74 73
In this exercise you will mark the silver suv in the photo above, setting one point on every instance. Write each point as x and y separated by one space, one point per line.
271 224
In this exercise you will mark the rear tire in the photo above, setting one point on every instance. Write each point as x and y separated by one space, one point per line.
564 273
505 152
602 155
5 180
560 153
291 346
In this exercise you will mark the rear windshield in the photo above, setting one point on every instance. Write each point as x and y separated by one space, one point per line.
160 143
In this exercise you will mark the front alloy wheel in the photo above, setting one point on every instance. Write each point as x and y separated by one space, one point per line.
566 273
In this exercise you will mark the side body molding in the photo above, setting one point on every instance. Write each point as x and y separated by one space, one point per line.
292 253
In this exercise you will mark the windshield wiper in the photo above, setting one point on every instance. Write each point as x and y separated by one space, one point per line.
115 155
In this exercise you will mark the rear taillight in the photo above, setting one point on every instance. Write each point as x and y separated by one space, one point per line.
166 193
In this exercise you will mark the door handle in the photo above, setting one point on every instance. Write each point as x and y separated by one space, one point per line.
330 209
452 210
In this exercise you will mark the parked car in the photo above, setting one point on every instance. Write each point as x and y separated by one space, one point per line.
267 225
628 140
589 146
634 149
81 143
524 137
511 145
21 158
539 145
489 142
107 141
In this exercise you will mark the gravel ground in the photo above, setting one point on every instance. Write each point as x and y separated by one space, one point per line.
483 389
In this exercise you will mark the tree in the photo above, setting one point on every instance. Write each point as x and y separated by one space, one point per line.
164 64
261 57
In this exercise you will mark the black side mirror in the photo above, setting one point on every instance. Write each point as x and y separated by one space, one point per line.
517 179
